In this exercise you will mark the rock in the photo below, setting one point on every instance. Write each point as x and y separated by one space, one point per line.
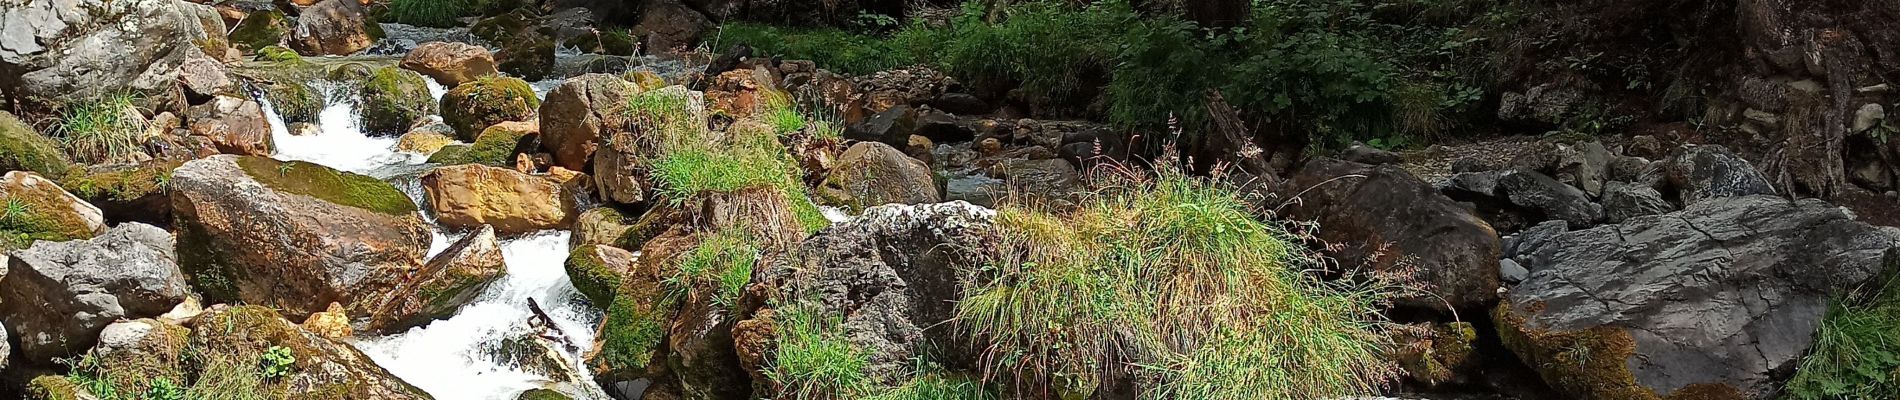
1390 219
423 141
393 99
450 63
1052 181
292 235
668 24
318 367
1868 116
1509 271
1622 201
474 106
333 322
469 196
1535 237
202 77
259 30
74 51
1719 300
134 354
1646 146
1548 198
233 125
892 127
598 270
1627 169
872 173
497 146
446 283
22 149
921 148
126 192
940 126
912 87
1709 172
334 27
295 102
1471 165
619 166
59 295
961 103
892 272
303 129
38 209
1369 155
600 225
743 93
528 53
1435 354
581 111
1545 105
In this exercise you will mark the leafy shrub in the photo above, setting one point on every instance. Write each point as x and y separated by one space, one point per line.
1175 275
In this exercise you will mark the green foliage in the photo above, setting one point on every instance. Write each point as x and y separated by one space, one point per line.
937 387
101 130
814 359
1856 353
393 98
1175 275
633 329
22 149
343 188
722 263
275 362
434 13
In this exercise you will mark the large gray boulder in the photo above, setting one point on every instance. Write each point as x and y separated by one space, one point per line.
1709 172
1719 300
1547 198
57 296
77 50
1388 220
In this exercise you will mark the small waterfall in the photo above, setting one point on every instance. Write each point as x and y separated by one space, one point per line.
492 348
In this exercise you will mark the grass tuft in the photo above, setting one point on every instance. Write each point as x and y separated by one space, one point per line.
101 130
722 262
814 360
1856 352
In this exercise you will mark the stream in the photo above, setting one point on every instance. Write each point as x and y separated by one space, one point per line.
464 356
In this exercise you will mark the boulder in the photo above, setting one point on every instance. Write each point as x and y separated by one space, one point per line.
1720 300
233 125
619 165
1622 201
22 149
1052 181
133 355
912 87
474 106
1546 198
743 93
450 63
892 272
126 192
1709 172
59 295
38 209
469 196
333 322
600 225
871 173
1369 155
496 146
73 51
295 102
581 111
202 77
669 24
393 99
529 54
598 270
892 127
423 141
1390 221
292 235
260 29
446 283
334 27
317 366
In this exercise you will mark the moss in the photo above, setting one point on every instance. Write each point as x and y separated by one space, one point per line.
542 394
260 31
294 100
354 73
22 149
454 154
634 327
55 387
275 53
474 106
121 185
1591 363
159 356
206 264
645 79
38 214
591 275
393 98
342 188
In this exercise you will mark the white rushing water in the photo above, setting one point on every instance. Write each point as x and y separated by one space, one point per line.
465 356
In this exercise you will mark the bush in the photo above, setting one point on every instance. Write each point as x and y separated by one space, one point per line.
101 130
1172 274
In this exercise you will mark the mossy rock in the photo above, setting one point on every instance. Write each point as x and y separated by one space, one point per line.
259 31
134 192
529 55
472 107
22 149
353 73
542 394
635 326
495 147
393 98
597 271
161 354
1591 363
617 43
318 367
34 208
601 225
645 79
275 53
342 188
500 28
294 100
56 387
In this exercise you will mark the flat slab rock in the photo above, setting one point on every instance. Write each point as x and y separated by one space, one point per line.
1718 299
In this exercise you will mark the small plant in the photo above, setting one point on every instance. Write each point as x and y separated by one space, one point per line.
16 211
101 130
163 389
722 263
814 359
276 362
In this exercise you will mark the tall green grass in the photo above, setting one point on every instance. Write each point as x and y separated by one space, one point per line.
101 130
1170 280
1856 352
722 262
685 159
814 359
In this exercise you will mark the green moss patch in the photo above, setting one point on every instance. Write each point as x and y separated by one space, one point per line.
260 31
591 275
542 394
22 149
1591 363
454 154
474 106
393 98
343 188
122 184
633 330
